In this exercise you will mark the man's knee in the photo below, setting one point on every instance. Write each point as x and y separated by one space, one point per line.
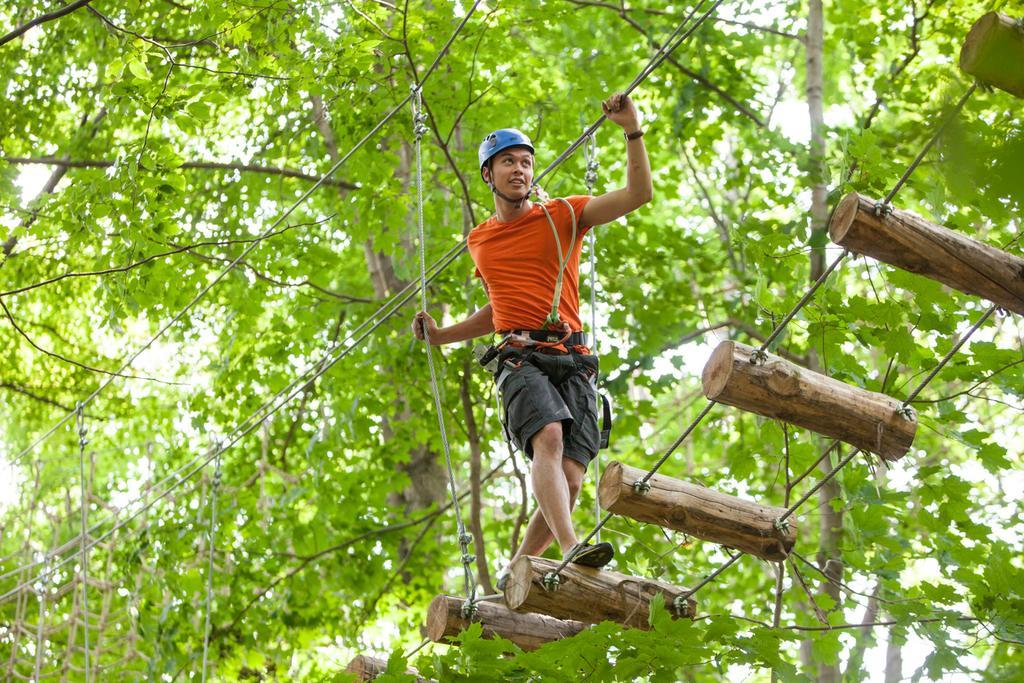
547 442
574 474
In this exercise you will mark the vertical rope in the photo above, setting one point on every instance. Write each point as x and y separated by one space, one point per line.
41 593
590 178
209 568
419 128
82 441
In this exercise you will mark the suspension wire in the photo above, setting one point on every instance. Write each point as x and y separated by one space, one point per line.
590 179
781 522
419 119
215 488
386 311
552 578
199 463
42 594
759 353
931 142
395 303
661 56
223 273
82 442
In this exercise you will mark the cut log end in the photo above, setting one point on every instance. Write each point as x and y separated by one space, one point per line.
518 586
437 618
973 49
993 52
843 217
718 369
610 489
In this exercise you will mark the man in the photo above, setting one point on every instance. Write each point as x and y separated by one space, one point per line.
546 373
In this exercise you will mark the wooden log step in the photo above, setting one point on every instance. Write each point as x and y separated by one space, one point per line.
698 511
776 388
590 595
366 668
993 52
445 620
907 241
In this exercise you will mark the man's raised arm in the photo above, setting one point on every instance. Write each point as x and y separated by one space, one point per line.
638 190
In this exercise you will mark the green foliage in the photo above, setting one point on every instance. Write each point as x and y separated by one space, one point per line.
332 534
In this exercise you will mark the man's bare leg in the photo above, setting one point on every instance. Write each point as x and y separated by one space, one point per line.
538 536
549 485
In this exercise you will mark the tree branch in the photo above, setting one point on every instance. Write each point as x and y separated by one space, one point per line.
42 19
201 165
25 392
739 106
76 363
177 250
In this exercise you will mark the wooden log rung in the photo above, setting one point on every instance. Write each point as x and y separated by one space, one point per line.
773 387
591 595
367 668
993 52
909 242
697 511
446 618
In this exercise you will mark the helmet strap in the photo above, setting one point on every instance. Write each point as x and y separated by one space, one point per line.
516 203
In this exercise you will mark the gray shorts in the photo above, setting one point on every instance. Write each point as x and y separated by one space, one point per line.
539 388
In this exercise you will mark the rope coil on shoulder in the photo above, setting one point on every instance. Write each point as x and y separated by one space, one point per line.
419 129
563 258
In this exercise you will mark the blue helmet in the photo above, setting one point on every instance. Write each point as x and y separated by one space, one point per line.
501 139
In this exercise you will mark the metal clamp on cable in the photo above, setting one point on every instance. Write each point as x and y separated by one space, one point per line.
758 357
882 209
907 413
551 582
781 525
469 609
640 487
679 605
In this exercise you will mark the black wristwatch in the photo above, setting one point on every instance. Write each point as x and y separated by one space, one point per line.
634 135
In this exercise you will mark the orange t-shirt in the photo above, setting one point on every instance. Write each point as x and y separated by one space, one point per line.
519 262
